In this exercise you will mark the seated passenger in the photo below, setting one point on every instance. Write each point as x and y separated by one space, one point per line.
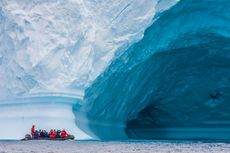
42 133
46 134
58 134
52 134
64 133
39 133
36 134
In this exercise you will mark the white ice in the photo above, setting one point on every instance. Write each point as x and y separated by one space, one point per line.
50 46
17 116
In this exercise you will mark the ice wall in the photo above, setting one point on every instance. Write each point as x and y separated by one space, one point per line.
45 112
173 84
56 49
62 46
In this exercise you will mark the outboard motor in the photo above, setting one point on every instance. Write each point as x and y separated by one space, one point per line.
28 137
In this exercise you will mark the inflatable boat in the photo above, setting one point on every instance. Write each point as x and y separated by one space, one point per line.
28 137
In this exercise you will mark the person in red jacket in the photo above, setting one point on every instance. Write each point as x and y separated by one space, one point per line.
64 134
32 130
52 134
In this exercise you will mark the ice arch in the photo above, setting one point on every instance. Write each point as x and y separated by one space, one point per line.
173 84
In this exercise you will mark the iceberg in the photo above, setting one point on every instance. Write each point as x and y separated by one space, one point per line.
143 69
53 50
172 84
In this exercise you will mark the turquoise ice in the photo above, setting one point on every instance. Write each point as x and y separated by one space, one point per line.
173 84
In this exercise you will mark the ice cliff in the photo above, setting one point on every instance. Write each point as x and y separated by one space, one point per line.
62 46
51 49
172 84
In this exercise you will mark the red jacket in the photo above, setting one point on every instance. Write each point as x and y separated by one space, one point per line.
64 134
52 134
32 130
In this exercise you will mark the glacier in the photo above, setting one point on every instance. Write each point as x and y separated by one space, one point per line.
172 84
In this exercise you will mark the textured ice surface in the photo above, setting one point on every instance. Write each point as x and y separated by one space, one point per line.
62 46
173 84
46 112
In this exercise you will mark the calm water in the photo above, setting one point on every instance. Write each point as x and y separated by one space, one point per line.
131 146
